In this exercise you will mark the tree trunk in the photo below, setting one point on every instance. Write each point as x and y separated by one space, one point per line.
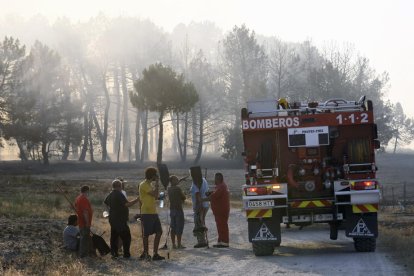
92 113
194 130
66 149
119 144
174 147
106 118
117 112
185 138
279 79
201 136
90 137
45 153
151 141
179 145
137 136
65 154
22 152
85 137
160 137
94 120
126 141
156 132
395 145
144 148
75 152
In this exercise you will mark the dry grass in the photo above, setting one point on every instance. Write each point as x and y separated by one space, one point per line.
74 268
24 205
12 272
397 235
29 200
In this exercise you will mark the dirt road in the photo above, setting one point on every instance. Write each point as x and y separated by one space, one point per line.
303 252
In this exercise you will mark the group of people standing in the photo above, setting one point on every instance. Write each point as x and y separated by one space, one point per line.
118 206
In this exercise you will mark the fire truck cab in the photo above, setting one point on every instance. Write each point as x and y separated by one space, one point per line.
310 163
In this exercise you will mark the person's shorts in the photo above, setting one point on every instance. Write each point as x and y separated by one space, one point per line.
177 221
151 224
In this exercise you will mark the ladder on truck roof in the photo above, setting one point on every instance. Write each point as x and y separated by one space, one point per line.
271 107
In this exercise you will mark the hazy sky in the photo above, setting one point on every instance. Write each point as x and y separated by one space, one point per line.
382 31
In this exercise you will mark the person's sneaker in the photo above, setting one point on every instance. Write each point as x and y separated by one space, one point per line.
199 245
157 257
181 246
174 246
145 257
222 245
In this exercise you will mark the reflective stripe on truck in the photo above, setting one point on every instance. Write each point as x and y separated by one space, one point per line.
365 208
259 213
310 203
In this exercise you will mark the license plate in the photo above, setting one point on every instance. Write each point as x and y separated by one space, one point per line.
316 218
261 203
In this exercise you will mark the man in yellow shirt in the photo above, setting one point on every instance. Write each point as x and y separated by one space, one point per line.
148 194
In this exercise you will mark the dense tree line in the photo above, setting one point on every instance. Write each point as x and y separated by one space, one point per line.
123 89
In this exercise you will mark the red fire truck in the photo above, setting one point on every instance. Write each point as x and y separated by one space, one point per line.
310 163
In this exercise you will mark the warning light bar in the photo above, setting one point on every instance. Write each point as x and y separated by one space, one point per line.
267 190
276 187
364 185
256 191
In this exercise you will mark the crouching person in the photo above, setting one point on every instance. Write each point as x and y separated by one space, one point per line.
71 234
118 219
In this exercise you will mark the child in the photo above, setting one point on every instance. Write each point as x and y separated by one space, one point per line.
71 234
177 199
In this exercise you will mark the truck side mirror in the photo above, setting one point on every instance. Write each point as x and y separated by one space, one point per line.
377 144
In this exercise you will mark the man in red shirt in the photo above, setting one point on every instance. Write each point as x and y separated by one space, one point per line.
84 212
220 205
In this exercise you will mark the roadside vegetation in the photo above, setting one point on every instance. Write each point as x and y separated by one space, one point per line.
397 235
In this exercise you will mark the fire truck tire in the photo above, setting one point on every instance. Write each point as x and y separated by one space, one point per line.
263 249
365 244
333 231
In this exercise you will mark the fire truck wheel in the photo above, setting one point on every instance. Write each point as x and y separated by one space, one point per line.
333 230
263 249
365 244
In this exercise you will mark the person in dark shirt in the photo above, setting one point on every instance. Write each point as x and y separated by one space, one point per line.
177 198
118 218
